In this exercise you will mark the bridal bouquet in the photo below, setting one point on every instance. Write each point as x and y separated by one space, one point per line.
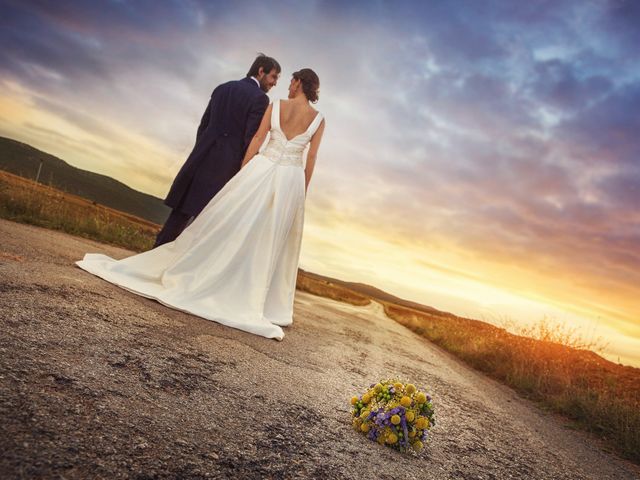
394 414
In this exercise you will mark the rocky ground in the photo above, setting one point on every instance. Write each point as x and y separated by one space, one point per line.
96 382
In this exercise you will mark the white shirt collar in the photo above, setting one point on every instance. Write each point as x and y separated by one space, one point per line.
256 80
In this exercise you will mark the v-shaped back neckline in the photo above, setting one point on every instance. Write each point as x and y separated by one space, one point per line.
280 125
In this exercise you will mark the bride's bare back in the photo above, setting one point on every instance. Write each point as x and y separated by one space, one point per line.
295 117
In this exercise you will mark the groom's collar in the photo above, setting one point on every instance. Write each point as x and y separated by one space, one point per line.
252 80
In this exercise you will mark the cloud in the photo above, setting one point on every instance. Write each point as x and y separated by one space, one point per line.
557 84
620 21
622 190
606 132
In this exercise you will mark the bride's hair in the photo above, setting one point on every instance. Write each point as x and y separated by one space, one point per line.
310 83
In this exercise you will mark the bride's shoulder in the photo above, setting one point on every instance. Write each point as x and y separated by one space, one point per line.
280 103
313 111
318 114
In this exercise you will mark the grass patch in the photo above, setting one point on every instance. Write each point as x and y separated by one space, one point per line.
548 364
330 290
23 200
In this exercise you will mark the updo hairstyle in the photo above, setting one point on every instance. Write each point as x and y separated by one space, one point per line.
310 83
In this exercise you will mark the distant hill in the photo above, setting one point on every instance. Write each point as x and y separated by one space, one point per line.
23 160
376 293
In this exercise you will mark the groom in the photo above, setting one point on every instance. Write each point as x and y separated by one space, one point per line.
226 129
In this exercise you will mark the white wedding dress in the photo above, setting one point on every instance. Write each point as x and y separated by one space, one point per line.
237 262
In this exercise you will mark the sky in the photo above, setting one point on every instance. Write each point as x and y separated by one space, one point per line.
479 157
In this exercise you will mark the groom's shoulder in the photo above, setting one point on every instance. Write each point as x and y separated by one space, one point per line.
225 86
249 86
243 91
245 85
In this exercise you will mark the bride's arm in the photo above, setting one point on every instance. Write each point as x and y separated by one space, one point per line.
258 138
313 154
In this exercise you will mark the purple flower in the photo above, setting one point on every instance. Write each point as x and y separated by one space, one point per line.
403 422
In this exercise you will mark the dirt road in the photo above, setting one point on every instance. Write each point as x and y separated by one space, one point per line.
96 382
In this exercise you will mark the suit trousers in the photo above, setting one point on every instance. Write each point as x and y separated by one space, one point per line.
173 227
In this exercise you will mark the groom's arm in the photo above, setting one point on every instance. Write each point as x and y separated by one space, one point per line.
253 121
204 122
259 137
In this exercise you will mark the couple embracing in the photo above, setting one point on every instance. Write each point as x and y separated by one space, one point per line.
230 248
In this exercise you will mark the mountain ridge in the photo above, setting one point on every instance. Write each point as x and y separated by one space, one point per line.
24 160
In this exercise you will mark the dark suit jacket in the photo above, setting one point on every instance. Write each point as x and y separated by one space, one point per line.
227 127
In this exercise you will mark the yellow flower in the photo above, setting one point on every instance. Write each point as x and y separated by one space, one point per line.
398 386
405 401
417 445
421 423
364 427
380 439
412 433
395 419
364 414
410 388
421 397
366 398
377 388
410 416
354 400
392 438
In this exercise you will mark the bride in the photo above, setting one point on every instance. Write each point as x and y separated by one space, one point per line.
237 262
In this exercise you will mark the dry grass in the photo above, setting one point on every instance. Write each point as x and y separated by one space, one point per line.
550 365
327 289
26 201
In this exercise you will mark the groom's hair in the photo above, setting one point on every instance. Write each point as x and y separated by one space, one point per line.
267 64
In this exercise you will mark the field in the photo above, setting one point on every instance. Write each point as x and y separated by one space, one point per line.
598 395
23 200
328 289
26 161
544 364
